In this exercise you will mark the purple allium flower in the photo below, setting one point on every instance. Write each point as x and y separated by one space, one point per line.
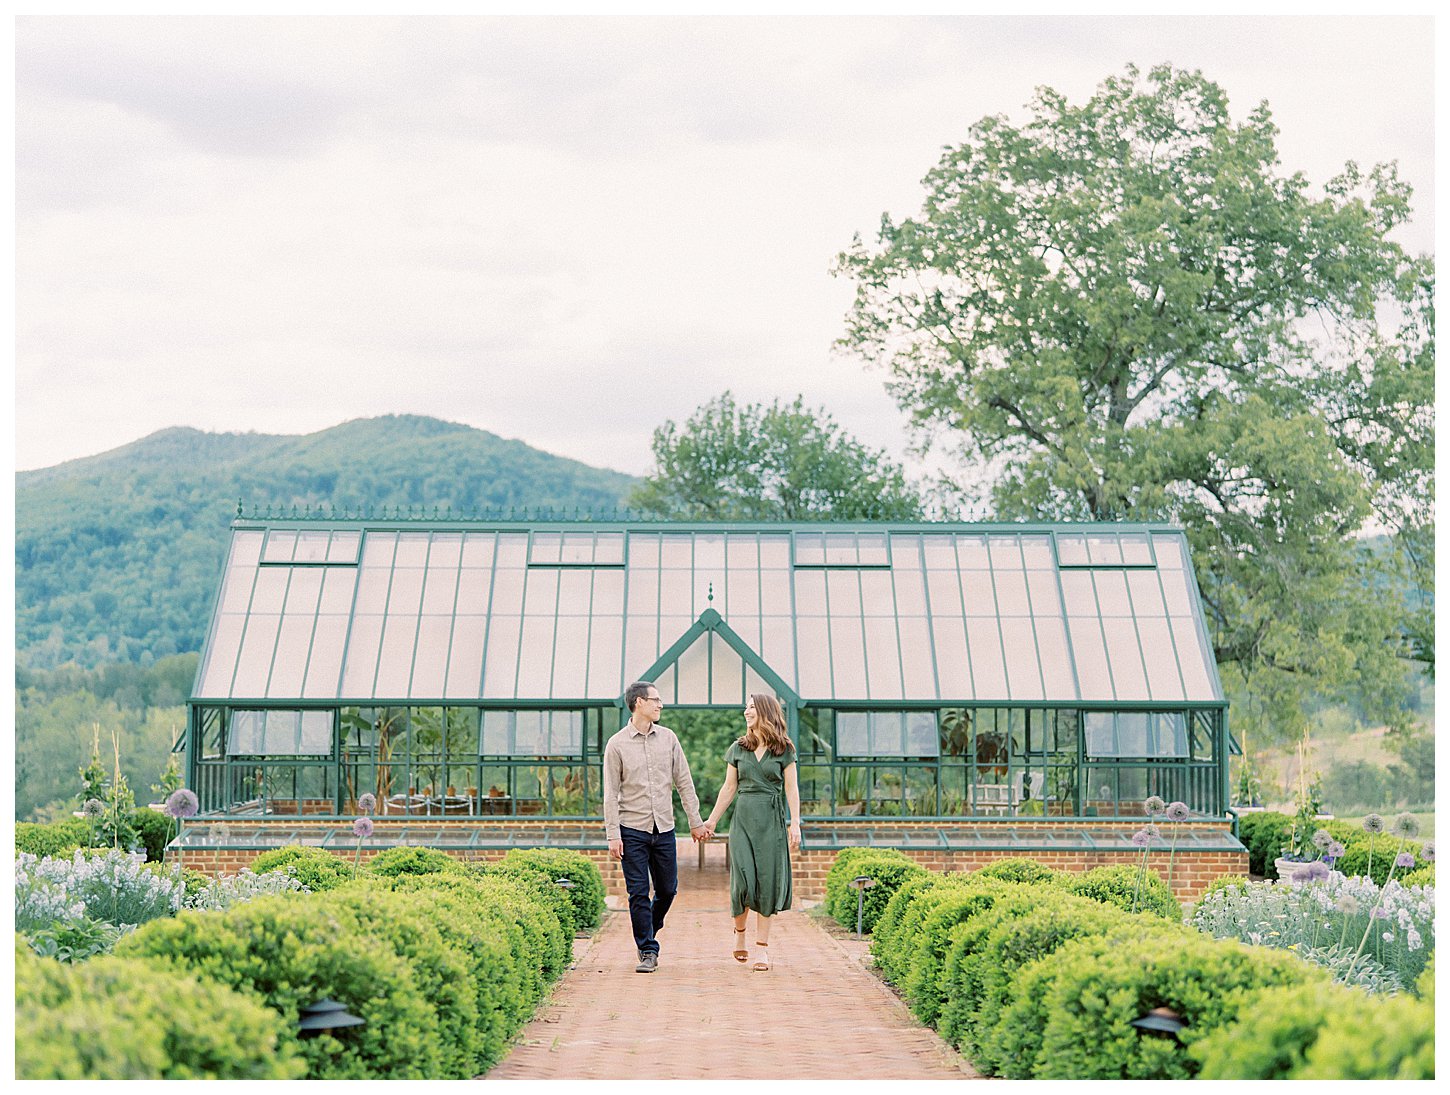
93 808
218 831
367 802
1142 838
362 828
1427 853
1405 859
1379 912
1317 871
1405 826
182 803
1300 873
1322 838
1177 811
1335 850
1373 823
1153 806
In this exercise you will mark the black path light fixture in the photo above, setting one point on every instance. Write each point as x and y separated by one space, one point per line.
861 883
565 884
1162 1022
324 1016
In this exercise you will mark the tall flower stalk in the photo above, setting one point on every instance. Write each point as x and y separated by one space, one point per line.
362 828
1177 812
1405 826
180 804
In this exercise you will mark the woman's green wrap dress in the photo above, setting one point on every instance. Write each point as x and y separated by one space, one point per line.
759 841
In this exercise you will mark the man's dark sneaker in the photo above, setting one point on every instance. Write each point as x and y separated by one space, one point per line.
648 962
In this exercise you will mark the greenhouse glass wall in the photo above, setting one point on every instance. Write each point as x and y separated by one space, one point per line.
471 671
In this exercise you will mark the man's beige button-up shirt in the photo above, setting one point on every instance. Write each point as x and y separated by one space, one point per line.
640 770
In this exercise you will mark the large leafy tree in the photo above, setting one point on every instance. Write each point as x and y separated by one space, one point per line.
1125 309
777 462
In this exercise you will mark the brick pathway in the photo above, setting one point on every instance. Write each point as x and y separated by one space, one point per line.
817 1015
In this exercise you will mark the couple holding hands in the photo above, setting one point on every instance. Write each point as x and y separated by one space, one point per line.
644 764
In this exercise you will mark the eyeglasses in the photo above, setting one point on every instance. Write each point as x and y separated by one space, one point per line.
653 699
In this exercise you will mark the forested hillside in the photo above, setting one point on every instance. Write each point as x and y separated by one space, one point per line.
117 555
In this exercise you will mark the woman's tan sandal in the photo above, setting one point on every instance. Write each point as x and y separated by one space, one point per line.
762 962
740 954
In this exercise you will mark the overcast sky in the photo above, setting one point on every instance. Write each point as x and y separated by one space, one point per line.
560 230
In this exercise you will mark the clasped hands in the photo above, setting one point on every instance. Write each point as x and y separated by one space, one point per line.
703 831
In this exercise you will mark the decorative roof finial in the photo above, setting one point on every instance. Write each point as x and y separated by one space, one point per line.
710 595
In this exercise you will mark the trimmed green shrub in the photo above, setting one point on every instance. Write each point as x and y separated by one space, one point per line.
587 896
942 911
1098 987
1324 1032
315 868
405 860
887 867
1018 869
1356 860
1264 834
1223 882
1116 886
53 839
120 1019
1423 875
895 952
292 952
889 924
536 883
981 970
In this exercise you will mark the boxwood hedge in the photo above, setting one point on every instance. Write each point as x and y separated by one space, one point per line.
888 869
587 894
315 868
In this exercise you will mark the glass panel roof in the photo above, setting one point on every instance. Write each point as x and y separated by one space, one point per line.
337 611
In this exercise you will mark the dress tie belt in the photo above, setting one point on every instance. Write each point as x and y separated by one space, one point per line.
780 811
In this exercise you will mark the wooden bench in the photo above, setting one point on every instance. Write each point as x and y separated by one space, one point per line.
717 839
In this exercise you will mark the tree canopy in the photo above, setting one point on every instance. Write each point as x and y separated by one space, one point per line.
1125 309
776 462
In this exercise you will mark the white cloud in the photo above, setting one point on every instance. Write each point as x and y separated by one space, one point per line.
561 230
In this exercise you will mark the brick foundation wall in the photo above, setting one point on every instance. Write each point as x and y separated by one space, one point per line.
1193 869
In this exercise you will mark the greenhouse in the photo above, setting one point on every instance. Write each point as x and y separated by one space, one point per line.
467 673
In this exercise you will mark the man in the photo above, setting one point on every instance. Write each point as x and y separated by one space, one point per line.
641 764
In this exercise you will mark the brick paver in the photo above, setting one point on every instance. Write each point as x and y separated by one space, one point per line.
817 1015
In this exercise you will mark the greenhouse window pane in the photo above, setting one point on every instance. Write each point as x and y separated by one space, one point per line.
644 593
536 657
246 731
917 665
810 593
271 589
775 551
289 664
910 589
378 548
813 653
848 658
280 545
246 548
1147 594
1023 675
922 736
1011 587
944 591
303 591
606 640
508 592
237 589
577 547
325 663
742 594
412 550
1077 593
1043 593
255 660
477 551
973 553
676 551
372 589
221 659
843 592
840 549
497 733
430 660
1112 590
810 549
1168 550
1053 654
311 547
676 591
1192 659
608 593
445 550
395 659
571 649
1091 658
1004 551
465 658
1178 592
709 551
989 674
704 584
641 645
742 551
727 674
1099 734
774 591
360 665
576 592
501 658
953 669
343 547
876 597
541 593
1135 549
609 548
1072 549
883 659
777 646
406 594
852 734
440 587
1160 659
1169 734
512 549
1129 679
939 552
872 549
1104 550
1132 734
473 589
316 733
1037 552
888 733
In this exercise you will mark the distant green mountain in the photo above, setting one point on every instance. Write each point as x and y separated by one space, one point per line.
117 555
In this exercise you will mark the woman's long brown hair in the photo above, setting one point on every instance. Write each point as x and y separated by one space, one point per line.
769 727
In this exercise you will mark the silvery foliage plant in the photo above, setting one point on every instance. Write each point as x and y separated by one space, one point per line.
223 893
1377 938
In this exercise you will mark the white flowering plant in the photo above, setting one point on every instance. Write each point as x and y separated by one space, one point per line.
229 890
1379 938
115 886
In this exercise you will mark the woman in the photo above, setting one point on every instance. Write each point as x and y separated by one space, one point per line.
761 768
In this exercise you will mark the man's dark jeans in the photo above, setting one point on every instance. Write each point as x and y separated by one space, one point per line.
649 856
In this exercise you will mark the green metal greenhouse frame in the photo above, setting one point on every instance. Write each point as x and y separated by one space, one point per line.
465 668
